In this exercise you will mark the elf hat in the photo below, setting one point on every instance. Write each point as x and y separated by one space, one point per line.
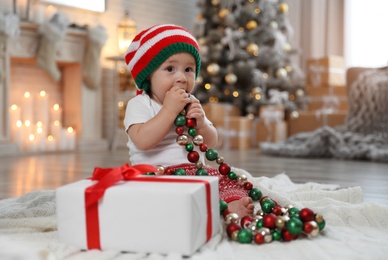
151 47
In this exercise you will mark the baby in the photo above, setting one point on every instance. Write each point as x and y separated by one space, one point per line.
164 61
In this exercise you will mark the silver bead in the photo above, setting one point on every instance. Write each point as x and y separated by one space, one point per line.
220 160
260 213
199 164
160 170
198 140
182 139
232 218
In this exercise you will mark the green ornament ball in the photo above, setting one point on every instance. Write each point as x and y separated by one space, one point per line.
232 175
201 172
180 120
192 131
223 206
277 235
293 212
180 171
244 236
211 154
294 226
267 206
259 224
189 147
322 225
255 194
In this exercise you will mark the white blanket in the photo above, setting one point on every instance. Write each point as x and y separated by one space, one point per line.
354 229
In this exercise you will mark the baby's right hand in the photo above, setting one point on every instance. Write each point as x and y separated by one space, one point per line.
176 99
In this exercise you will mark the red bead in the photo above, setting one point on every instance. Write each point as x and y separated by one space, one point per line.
258 238
287 236
231 228
203 147
191 122
193 156
225 212
308 227
179 130
248 185
224 168
246 221
168 171
269 221
277 210
306 214
263 198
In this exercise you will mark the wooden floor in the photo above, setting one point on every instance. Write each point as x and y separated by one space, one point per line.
22 174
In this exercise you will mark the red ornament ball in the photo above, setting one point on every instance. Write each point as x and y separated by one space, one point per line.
191 122
224 168
269 221
308 227
193 156
226 212
287 236
246 221
231 228
306 214
258 238
263 198
277 210
248 185
179 130
203 147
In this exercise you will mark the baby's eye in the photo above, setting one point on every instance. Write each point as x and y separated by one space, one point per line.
170 68
189 69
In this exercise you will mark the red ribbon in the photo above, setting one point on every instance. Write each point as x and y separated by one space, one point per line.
108 177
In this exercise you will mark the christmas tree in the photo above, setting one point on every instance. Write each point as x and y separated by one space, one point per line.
246 55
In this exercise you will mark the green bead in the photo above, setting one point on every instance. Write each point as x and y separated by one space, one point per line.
259 223
255 194
244 236
211 154
267 206
294 226
201 172
322 225
149 173
232 175
223 206
180 120
189 147
180 171
192 131
276 235
293 212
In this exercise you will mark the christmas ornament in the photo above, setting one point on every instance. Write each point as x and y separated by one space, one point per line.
213 69
230 78
283 8
252 24
253 49
299 92
271 222
281 73
223 13
294 114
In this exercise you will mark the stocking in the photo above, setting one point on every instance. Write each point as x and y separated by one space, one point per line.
53 32
91 65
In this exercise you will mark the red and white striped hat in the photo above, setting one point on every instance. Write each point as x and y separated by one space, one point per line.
151 47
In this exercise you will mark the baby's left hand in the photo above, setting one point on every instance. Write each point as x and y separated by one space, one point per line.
194 110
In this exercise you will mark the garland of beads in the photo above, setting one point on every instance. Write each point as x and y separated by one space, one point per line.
272 222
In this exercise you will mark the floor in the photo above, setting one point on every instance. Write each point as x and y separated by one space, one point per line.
26 173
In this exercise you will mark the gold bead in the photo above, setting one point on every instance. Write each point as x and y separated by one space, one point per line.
283 8
253 49
234 235
223 13
182 139
198 140
318 218
280 222
232 218
160 170
250 25
199 165
230 78
213 69
220 160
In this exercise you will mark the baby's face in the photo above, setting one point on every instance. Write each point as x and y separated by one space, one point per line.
178 70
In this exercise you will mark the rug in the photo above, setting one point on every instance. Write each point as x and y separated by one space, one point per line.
354 229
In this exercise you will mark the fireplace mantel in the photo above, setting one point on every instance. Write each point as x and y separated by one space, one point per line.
82 106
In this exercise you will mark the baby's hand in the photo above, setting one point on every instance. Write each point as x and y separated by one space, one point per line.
195 110
175 100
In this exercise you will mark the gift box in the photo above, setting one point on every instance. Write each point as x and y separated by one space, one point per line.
326 71
308 121
326 91
234 132
337 103
151 214
272 131
215 111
